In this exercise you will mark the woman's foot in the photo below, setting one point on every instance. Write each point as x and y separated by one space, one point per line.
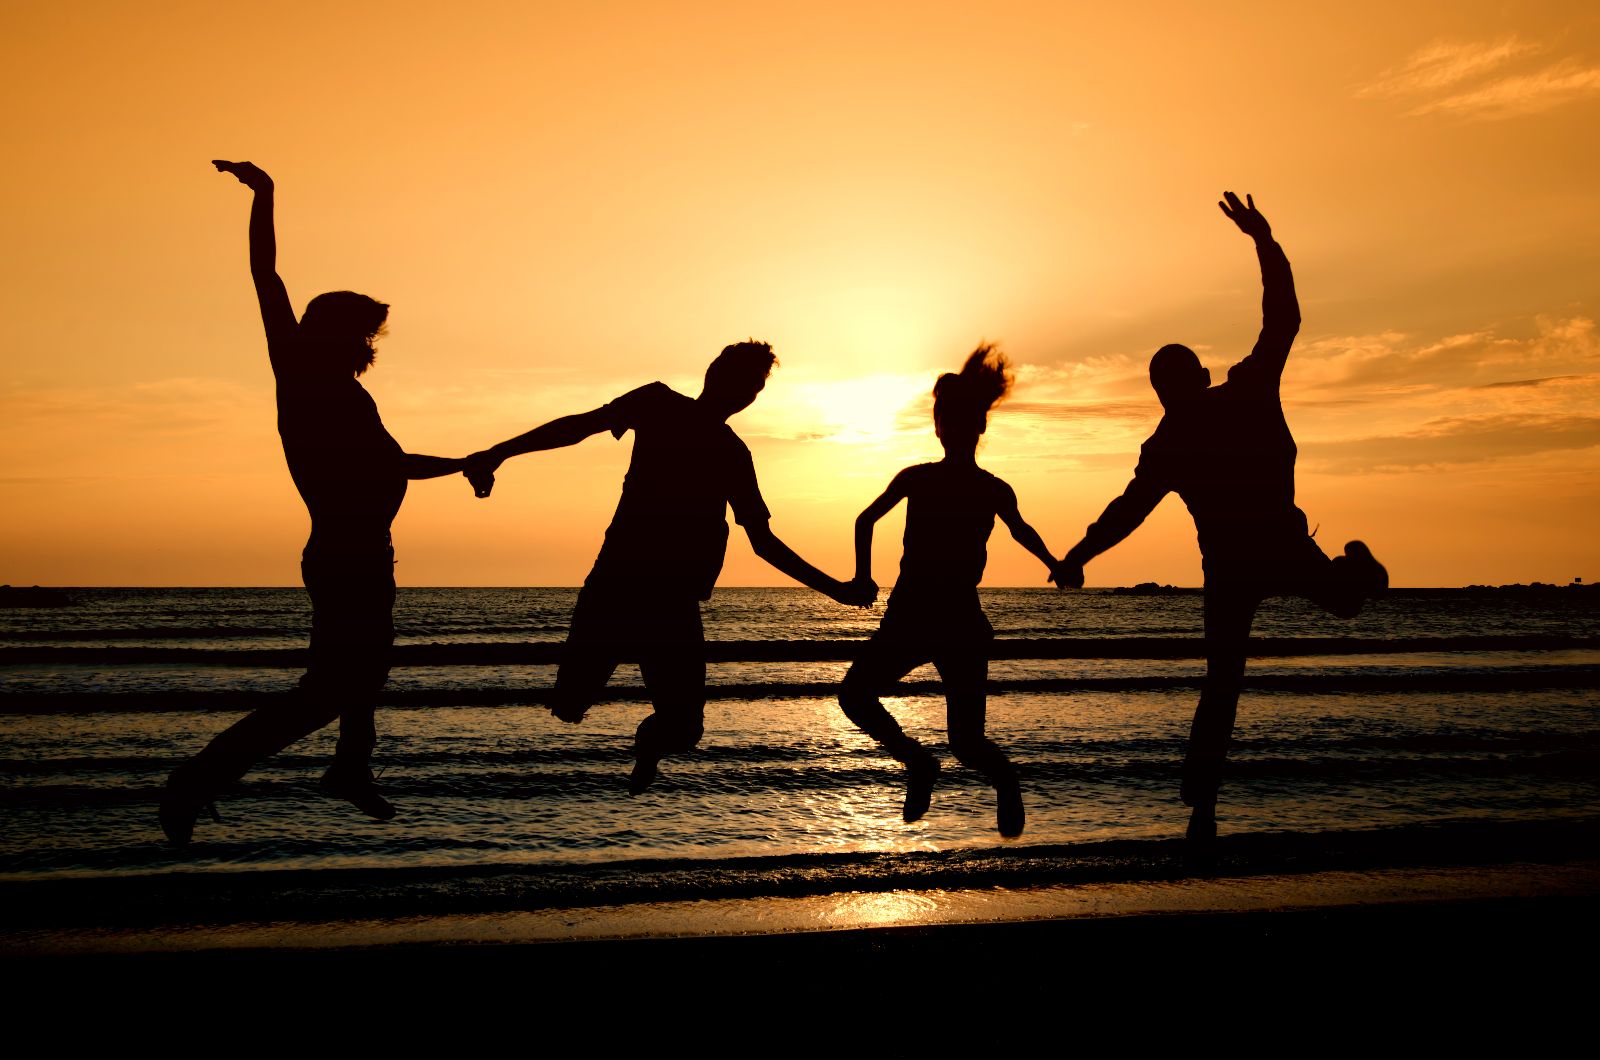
922 770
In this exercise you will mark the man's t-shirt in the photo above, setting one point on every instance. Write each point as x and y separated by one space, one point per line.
1230 456
1227 452
349 470
670 532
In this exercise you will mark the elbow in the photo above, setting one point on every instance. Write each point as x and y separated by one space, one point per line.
761 540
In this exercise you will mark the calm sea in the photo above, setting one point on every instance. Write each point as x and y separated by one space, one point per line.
1487 713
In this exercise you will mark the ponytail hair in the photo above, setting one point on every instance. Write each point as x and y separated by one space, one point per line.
963 400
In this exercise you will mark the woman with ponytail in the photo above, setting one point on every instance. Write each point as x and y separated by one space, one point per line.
933 614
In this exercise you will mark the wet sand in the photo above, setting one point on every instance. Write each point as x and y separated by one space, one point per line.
1386 960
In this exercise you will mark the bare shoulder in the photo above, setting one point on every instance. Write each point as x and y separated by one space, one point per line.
1004 496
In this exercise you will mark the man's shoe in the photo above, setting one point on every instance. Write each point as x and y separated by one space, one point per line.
1368 573
1009 816
921 771
358 790
180 807
644 774
571 713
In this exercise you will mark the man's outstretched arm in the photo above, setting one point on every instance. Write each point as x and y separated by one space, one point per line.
1280 309
277 316
766 545
1121 518
558 433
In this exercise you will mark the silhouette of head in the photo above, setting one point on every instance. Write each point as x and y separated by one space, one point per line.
1177 374
962 400
737 375
341 327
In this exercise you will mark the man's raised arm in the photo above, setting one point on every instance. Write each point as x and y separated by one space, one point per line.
1280 310
277 316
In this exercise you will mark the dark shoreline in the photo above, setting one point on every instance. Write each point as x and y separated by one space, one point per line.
1469 973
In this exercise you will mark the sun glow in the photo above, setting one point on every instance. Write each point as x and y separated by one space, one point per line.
871 409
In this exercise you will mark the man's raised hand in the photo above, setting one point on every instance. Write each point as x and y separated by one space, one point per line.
250 175
1246 216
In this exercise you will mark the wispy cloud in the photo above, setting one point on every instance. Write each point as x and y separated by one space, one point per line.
1443 64
1392 361
1521 94
1485 80
1457 441
1513 383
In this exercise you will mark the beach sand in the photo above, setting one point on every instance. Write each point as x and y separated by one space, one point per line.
1468 955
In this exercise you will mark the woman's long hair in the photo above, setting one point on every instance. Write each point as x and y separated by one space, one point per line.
962 400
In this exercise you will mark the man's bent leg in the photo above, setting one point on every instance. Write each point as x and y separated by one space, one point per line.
673 665
1341 585
589 656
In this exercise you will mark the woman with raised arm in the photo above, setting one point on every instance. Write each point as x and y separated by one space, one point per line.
352 476
933 613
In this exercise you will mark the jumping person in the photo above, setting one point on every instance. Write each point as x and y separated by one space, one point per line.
933 614
665 546
1227 451
352 476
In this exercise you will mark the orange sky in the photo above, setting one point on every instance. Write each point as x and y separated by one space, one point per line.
564 201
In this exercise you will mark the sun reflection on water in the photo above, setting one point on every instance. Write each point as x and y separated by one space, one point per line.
880 910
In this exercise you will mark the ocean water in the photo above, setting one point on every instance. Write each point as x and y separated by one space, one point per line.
1454 708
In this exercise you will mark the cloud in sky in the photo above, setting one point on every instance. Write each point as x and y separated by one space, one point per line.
1457 441
1472 80
1391 360
1443 64
1522 93
1385 401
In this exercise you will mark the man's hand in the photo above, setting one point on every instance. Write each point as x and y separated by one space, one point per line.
1067 574
480 468
1246 216
250 175
859 592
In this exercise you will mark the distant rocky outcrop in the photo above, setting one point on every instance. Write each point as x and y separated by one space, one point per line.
34 596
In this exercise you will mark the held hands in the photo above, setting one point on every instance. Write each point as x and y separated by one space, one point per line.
479 469
1067 574
858 592
1246 216
250 175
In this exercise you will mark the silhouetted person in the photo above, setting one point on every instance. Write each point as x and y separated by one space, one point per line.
1226 450
352 476
933 614
664 547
